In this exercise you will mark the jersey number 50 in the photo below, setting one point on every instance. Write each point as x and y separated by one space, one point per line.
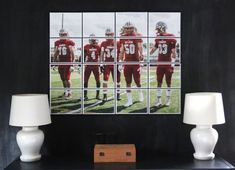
129 48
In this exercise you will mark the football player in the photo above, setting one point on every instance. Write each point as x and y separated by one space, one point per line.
165 43
108 55
131 50
92 54
64 52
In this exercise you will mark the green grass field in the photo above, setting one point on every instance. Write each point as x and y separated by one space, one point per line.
93 106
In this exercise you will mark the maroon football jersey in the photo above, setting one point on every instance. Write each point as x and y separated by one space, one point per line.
108 48
165 46
131 47
91 52
63 48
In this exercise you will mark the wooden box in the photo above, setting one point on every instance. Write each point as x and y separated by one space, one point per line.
114 153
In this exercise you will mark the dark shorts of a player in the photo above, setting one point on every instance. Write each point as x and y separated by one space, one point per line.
89 69
64 71
164 70
110 69
132 70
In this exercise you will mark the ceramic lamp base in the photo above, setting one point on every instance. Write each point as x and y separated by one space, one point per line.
31 158
30 140
204 157
204 139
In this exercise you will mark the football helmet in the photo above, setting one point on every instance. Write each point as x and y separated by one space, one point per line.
129 28
109 32
63 33
92 39
128 25
161 26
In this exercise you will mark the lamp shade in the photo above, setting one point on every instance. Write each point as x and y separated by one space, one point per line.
29 110
203 109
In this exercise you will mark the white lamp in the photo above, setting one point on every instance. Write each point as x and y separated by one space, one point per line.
203 110
30 111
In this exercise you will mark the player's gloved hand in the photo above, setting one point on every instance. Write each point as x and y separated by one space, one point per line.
120 68
141 57
71 69
54 68
79 69
177 60
101 68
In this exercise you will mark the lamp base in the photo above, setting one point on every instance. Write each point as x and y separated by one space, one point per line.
204 139
30 140
31 158
204 157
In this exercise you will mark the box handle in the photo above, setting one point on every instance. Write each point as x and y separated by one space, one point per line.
128 153
101 154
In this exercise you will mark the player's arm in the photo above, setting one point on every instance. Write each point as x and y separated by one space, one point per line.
85 54
153 50
140 47
56 54
100 57
173 53
173 49
102 54
121 54
71 48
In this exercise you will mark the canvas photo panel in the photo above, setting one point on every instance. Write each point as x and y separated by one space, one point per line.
136 19
166 74
164 101
60 104
62 51
94 103
71 71
70 22
139 101
172 21
97 22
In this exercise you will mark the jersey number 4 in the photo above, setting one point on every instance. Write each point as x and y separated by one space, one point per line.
129 48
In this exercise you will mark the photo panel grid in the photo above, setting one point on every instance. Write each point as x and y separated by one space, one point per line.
145 24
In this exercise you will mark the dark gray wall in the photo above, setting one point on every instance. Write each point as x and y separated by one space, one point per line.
208 64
